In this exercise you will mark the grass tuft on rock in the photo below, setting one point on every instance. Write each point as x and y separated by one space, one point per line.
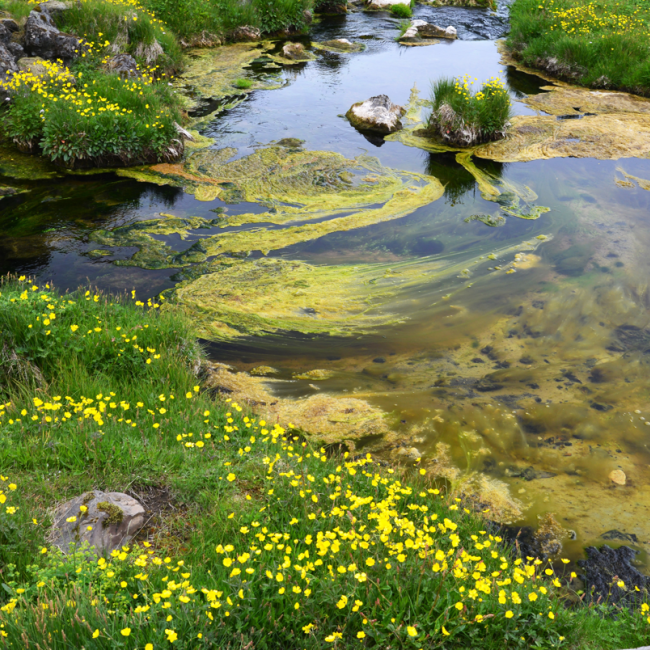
463 117
601 44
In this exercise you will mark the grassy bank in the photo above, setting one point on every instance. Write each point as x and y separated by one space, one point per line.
602 44
87 113
260 537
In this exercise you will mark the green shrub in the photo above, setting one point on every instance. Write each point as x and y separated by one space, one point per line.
598 44
401 10
463 117
244 84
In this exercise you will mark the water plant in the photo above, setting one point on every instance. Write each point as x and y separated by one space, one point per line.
401 10
597 43
462 116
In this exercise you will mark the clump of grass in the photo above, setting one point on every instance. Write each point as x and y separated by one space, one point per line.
243 84
602 43
461 116
401 10
403 27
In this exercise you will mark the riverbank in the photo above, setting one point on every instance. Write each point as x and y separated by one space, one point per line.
253 531
598 45
90 84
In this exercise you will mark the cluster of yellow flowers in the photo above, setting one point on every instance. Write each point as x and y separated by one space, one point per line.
8 509
490 87
593 18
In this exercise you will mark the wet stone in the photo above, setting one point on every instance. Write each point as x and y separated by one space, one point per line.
617 534
477 360
379 360
618 476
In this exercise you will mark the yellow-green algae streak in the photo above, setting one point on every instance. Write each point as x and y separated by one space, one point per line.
297 186
232 298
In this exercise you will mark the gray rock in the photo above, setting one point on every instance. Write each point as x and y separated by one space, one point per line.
17 50
294 51
124 65
433 31
9 24
246 33
113 518
376 114
43 38
54 7
379 5
7 63
5 35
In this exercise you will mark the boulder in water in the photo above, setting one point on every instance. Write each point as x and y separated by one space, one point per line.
294 51
420 30
376 114
379 5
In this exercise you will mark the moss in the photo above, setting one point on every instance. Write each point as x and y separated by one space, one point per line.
315 375
115 513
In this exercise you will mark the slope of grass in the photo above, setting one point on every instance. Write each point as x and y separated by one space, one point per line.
602 43
269 540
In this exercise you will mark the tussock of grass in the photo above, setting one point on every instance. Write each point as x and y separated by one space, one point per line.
271 541
244 84
401 10
461 116
601 44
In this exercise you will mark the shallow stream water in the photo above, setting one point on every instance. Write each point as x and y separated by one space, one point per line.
538 378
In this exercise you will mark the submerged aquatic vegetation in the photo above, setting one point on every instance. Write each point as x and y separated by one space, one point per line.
462 116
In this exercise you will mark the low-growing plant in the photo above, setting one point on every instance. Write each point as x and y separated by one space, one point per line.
403 27
243 84
461 116
401 10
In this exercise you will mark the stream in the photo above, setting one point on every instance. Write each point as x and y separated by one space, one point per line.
534 383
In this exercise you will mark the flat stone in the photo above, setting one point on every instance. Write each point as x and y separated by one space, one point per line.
113 518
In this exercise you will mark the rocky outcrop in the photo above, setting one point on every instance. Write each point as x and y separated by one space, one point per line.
43 38
104 520
420 31
124 65
376 114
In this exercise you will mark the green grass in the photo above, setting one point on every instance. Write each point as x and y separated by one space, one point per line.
243 84
462 116
602 44
205 21
268 539
401 10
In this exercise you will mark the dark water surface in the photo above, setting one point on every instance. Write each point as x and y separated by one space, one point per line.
540 378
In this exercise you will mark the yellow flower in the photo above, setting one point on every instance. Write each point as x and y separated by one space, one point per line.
361 634
95 634
231 477
74 328
509 614
126 631
411 631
